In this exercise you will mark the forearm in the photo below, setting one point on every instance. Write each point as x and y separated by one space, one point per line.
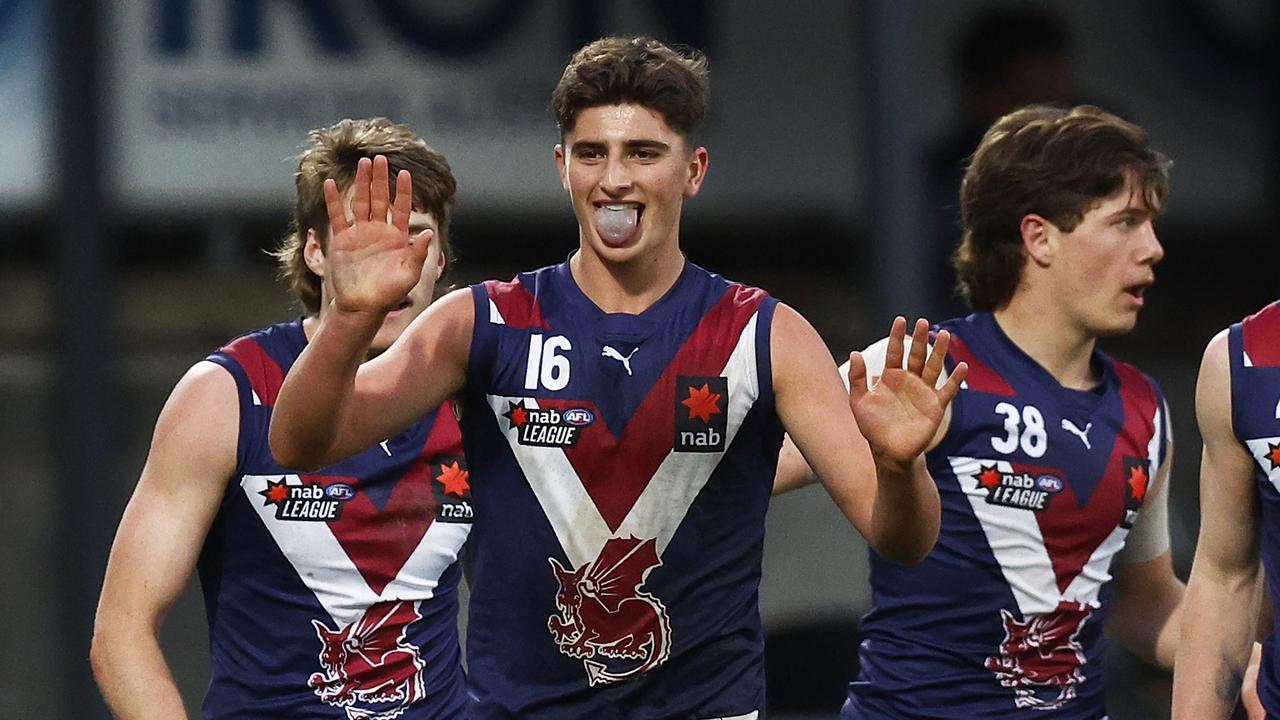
906 514
314 402
134 679
1216 637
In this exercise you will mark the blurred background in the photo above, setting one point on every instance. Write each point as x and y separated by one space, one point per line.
146 160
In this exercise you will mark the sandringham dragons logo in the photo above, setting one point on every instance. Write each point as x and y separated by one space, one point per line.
604 618
369 668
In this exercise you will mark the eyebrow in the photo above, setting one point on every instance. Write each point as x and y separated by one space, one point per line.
629 145
1140 213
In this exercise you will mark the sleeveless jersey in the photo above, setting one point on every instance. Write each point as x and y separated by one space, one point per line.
627 464
1039 485
333 594
1254 346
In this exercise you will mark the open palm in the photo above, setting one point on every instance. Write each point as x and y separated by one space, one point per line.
902 413
372 260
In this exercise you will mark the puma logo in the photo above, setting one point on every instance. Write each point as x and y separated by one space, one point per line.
1082 434
609 352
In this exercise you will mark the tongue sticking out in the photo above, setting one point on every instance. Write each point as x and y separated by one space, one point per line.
616 226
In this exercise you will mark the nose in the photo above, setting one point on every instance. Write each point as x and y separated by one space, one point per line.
1153 251
617 177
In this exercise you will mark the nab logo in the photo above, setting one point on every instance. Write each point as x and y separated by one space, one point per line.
1136 480
452 489
702 419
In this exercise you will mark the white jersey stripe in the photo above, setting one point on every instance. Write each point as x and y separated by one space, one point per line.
337 583
1015 540
666 499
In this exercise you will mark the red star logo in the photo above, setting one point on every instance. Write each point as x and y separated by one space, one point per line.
516 414
454 479
1273 454
989 477
1138 481
702 403
276 492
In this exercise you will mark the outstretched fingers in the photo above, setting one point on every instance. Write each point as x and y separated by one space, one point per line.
948 391
404 203
360 195
379 190
893 352
919 346
338 220
857 378
937 359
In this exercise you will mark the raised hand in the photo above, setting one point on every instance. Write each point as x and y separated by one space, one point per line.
372 260
902 413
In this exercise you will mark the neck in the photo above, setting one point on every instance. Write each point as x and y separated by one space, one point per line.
631 287
1053 341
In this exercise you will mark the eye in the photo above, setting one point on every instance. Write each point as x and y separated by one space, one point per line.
588 153
645 154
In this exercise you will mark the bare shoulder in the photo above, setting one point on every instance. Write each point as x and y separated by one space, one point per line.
796 349
1213 387
201 419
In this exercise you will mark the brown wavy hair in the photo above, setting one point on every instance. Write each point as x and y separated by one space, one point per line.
674 82
1056 162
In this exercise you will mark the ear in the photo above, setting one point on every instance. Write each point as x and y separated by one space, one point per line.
312 255
562 166
1038 238
321 630
697 171
557 567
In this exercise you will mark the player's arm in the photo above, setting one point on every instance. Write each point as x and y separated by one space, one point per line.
1146 609
1221 605
866 446
794 472
331 406
193 453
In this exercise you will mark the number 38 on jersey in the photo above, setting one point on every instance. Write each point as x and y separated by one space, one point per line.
1023 429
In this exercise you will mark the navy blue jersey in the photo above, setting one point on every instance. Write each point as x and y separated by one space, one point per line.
1039 484
333 594
627 463
1254 346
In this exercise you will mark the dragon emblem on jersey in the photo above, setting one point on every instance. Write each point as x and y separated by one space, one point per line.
1042 654
369 669
604 617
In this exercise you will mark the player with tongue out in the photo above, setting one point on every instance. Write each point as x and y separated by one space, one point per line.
616 568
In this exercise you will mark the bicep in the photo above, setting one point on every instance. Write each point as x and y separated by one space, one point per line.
1228 499
192 456
424 367
813 406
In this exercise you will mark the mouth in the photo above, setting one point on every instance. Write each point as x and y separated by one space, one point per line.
1135 292
402 305
618 223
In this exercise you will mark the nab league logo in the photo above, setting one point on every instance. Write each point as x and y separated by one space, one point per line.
547 427
1042 654
1136 480
1019 489
369 668
306 502
604 618
702 419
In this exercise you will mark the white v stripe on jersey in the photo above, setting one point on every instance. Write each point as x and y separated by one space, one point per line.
666 499
338 585
681 476
1260 448
1015 539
